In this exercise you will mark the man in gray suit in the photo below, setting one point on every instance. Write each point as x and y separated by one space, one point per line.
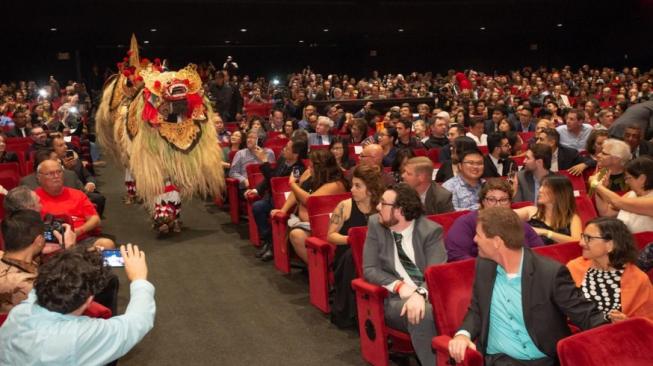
418 173
69 177
537 165
401 243
321 135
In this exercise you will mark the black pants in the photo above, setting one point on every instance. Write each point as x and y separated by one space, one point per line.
343 309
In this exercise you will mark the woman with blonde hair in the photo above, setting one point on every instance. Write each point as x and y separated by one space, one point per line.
554 218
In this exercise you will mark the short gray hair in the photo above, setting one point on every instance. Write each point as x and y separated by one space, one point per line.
618 149
326 120
20 198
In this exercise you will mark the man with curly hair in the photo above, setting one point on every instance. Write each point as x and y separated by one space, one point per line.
401 243
48 328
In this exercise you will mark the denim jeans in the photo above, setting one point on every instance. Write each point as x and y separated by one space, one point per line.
261 210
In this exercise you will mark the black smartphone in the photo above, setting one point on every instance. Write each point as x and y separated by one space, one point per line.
70 154
113 258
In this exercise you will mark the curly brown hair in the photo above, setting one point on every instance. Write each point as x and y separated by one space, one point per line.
371 177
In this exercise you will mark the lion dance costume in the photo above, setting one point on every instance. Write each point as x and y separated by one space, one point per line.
156 123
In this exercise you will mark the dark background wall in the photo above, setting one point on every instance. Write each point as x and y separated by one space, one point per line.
436 36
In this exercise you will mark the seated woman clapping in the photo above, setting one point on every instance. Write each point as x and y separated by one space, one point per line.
323 177
635 208
366 190
606 273
554 218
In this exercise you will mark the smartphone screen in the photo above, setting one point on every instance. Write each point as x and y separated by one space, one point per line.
49 236
113 258
70 154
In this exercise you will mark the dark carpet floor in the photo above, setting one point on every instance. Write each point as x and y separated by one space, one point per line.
216 303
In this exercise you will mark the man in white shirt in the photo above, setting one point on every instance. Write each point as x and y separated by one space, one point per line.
574 133
476 133
401 243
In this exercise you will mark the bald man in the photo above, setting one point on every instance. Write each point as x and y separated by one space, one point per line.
372 155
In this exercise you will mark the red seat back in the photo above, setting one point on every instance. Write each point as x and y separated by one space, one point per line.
642 239
254 175
450 292
624 343
562 252
231 155
2 211
516 205
447 219
576 181
319 212
279 187
484 149
420 152
319 147
585 209
526 136
356 241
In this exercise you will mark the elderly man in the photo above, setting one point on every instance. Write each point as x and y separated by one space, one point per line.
521 301
418 173
459 240
574 133
321 136
58 200
401 243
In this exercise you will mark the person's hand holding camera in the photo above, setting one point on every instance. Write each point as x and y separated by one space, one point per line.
135 266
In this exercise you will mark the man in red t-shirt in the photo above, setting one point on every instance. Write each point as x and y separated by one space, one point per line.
59 200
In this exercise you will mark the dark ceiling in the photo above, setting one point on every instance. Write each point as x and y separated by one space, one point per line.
402 32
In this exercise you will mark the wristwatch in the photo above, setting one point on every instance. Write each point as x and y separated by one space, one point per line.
421 291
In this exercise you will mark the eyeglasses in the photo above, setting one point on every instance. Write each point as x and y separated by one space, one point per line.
387 204
586 238
52 174
473 163
494 201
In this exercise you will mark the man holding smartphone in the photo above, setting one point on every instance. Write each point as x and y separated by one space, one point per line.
48 326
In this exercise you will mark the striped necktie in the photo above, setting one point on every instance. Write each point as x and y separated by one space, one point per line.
410 267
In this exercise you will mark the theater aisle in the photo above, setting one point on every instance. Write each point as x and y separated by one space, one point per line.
217 304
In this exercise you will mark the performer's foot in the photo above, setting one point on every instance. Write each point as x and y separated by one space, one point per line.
163 229
128 200
176 226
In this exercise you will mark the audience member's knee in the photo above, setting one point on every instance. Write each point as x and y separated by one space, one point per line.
105 243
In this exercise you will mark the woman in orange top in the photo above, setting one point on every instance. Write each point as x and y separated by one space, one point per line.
606 273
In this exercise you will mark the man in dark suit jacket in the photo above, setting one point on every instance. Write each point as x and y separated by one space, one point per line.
492 125
418 173
563 157
321 135
638 146
20 125
290 160
536 295
537 165
401 243
499 149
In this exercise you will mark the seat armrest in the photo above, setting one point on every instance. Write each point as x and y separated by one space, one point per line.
280 217
318 244
360 285
252 197
440 345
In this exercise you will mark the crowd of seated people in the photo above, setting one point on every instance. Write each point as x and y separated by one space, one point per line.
481 142
517 139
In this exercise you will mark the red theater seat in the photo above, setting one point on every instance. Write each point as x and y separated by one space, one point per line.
434 155
446 220
625 343
450 292
255 177
562 252
280 189
377 340
320 252
576 181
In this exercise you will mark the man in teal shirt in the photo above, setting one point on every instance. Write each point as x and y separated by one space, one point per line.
48 328
521 301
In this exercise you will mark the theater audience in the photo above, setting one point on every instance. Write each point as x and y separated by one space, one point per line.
635 208
404 139
387 141
498 163
6 156
594 148
340 150
323 177
358 131
419 127
513 332
438 132
401 243
606 272
290 162
58 200
605 119
525 122
366 191
455 131
465 186
614 156
418 174
48 326
574 133
247 156
450 168
554 216
321 136
373 155
562 157
459 240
